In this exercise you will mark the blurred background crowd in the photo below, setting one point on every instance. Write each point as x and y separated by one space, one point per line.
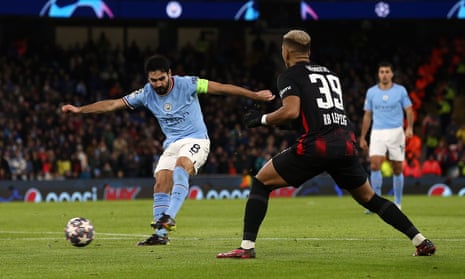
38 142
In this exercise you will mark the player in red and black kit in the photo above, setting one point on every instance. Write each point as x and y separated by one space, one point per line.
312 97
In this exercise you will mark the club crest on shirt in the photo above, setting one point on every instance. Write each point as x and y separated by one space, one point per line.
385 97
167 107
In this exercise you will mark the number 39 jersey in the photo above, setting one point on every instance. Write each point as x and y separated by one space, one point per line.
323 122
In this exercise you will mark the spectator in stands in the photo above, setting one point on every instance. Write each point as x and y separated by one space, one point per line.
461 166
430 123
451 132
412 166
17 165
460 134
5 173
460 74
431 166
63 165
444 111
431 142
414 144
246 180
454 155
441 153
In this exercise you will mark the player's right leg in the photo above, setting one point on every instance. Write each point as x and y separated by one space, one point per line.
268 178
161 201
255 211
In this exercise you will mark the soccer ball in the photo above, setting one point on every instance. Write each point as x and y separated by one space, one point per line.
79 231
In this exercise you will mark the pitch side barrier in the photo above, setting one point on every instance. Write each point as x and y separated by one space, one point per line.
202 187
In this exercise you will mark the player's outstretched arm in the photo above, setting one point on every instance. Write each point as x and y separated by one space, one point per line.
230 89
97 107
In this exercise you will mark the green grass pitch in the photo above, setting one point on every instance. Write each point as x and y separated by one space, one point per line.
307 237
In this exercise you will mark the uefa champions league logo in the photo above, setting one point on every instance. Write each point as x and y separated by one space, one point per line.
458 10
247 12
57 8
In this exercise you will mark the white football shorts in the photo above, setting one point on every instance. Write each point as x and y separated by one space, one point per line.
195 149
391 141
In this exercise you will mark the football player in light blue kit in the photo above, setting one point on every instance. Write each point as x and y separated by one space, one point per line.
385 104
173 101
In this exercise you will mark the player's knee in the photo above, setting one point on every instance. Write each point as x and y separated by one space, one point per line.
397 168
375 166
259 189
163 181
161 188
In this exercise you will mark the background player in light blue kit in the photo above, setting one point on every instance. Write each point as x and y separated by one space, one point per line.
385 104
173 101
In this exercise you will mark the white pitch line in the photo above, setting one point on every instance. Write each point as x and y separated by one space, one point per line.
122 236
228 239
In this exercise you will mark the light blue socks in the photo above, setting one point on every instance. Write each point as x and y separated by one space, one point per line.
171 204
398 181
376 181
180 191
161 203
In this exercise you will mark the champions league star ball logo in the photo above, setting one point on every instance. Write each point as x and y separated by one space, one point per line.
70 8
382 9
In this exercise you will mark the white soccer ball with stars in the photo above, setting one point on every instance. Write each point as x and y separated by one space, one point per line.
79 231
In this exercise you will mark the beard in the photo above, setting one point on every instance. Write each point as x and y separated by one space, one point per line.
162 90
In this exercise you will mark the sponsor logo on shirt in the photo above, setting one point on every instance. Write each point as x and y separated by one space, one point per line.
175 120
284 90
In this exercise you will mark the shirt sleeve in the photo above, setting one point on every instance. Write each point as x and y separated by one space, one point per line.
134 99
406 102
286 86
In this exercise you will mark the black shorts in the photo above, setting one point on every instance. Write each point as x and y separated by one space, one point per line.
295 169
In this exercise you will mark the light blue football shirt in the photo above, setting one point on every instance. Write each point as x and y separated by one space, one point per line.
178 112
387 106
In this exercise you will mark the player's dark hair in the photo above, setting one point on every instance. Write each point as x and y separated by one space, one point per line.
385 64
157 63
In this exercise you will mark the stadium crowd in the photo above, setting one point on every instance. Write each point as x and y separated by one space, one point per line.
38 142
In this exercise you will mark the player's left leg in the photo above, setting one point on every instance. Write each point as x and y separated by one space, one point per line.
179 193
392 215
192 154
